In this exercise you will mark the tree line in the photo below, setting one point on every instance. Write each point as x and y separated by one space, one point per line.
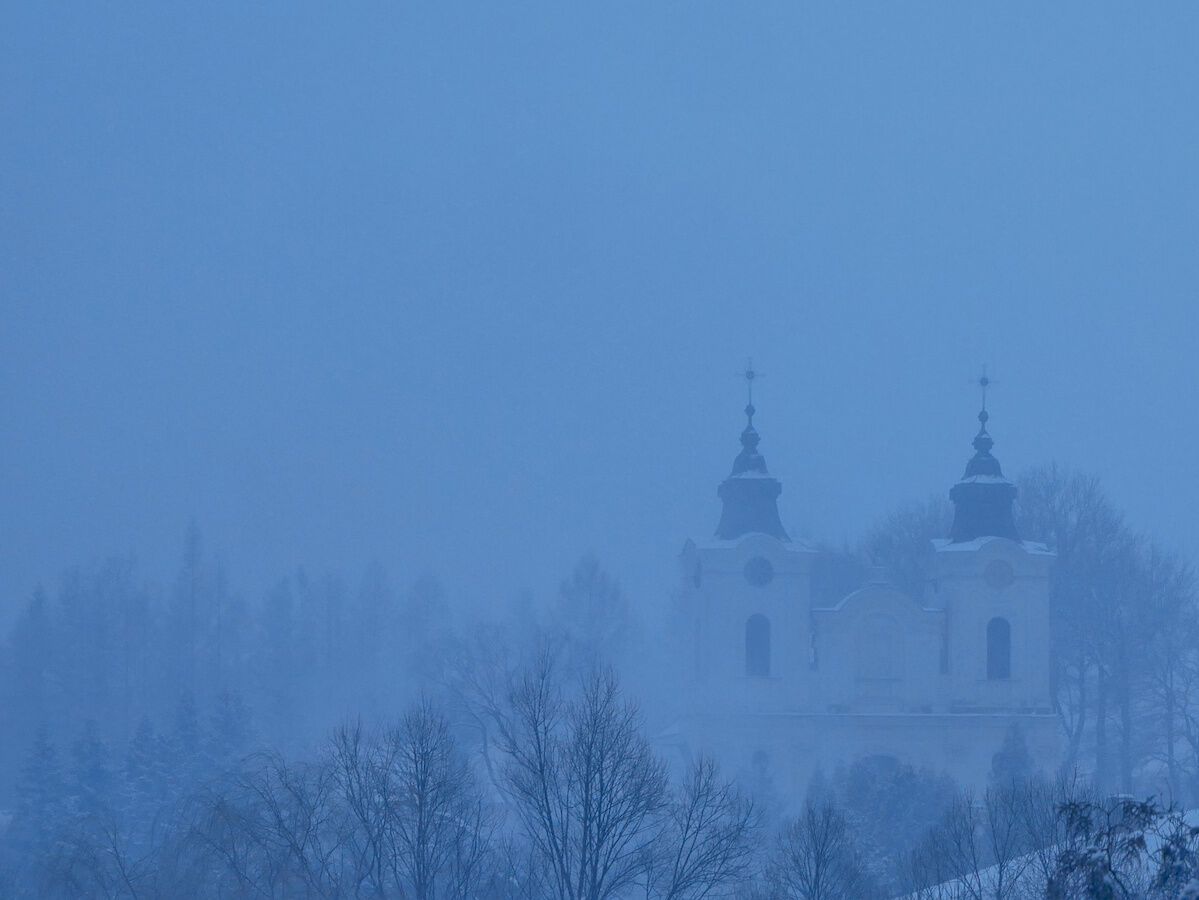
221 708
578 806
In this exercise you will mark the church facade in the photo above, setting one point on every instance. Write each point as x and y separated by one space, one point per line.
784 681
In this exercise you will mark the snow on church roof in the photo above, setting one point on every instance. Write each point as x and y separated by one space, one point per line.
1032 547
984 479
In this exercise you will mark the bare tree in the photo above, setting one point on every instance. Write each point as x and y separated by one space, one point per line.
1008 843
902 541
1070 512
1040 803
274 831
816 858
385 814
414 822
1173 624
96 858
360 766
441 831
477 674
981 848
587 789
1100 634
707 845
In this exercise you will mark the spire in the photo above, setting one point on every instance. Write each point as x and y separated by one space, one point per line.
750 494
982 500
749 459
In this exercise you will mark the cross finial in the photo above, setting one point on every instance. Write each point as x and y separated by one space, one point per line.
984 382
749 375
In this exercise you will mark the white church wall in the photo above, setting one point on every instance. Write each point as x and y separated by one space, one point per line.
878 650
995 578
755 576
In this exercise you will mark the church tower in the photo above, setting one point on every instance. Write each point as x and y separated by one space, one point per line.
750 495
994 589
746 591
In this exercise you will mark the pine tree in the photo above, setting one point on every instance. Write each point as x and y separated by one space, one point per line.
1012 764
187 611
40 810
426 617
31 644
277 659
91 781
592 616
373 628
25 682
186 764
146 779
229 731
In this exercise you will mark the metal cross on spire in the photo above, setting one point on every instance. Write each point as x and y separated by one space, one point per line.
984 382
749 375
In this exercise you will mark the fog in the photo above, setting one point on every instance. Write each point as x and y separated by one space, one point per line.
449 304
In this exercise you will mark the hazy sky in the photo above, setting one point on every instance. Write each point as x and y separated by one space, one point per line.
464 289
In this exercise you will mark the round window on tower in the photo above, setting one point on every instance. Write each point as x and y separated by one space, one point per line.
998 574
759 572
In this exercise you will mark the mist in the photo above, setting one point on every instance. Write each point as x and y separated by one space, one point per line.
377 368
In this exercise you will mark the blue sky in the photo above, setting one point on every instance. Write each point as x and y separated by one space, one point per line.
464 288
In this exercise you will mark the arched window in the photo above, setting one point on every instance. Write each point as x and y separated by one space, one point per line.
999 649
757 646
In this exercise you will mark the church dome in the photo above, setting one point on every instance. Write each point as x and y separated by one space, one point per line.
750 494
983 499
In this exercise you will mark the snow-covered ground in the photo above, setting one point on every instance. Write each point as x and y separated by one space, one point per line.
1024 878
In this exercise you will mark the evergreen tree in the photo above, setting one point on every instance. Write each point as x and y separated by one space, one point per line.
426 617
146 778
276 663
592 616
91 781
186 762
1012 763
32 640
40 809
26 696
229 731
374 630
186 609
889 805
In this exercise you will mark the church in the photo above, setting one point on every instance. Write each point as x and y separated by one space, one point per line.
784 680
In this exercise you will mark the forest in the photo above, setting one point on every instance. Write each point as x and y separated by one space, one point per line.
346 737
